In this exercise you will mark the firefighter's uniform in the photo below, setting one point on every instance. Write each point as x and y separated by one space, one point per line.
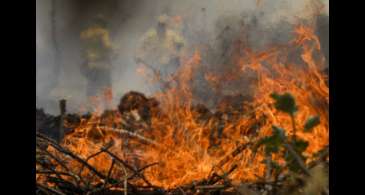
161 51
96 68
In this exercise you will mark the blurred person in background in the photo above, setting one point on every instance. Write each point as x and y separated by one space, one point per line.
97 51
161 48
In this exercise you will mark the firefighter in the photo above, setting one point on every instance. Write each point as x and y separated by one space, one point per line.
96 52
177 24
161 48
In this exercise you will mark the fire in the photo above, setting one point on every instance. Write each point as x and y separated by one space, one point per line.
188 148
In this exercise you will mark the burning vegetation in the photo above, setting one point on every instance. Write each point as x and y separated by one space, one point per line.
269 135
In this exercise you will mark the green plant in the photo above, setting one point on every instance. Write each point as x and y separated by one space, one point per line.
290 149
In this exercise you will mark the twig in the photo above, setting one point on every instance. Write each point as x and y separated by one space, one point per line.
295 155
210 187
53 172
40 189
233 154
182 191
125 180
103 149
222 162
107 146
76 177
109 173
45 188
129 167
69 153
65 185
268 167
136 135
224 176
142 169
322 157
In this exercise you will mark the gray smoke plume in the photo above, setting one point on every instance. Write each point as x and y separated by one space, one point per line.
58 26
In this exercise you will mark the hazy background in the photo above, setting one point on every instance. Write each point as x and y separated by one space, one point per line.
59 24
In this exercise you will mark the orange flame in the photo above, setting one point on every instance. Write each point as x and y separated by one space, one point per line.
185 153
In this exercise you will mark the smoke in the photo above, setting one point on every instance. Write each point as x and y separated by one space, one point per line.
59 52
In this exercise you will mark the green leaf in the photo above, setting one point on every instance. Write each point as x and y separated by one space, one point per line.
272 147
272 143
292 164
311 123
276 140
300 145
285 103
279 132
275 96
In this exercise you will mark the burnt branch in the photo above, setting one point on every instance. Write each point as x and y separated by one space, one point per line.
69 153
109 145
132 134
48 190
